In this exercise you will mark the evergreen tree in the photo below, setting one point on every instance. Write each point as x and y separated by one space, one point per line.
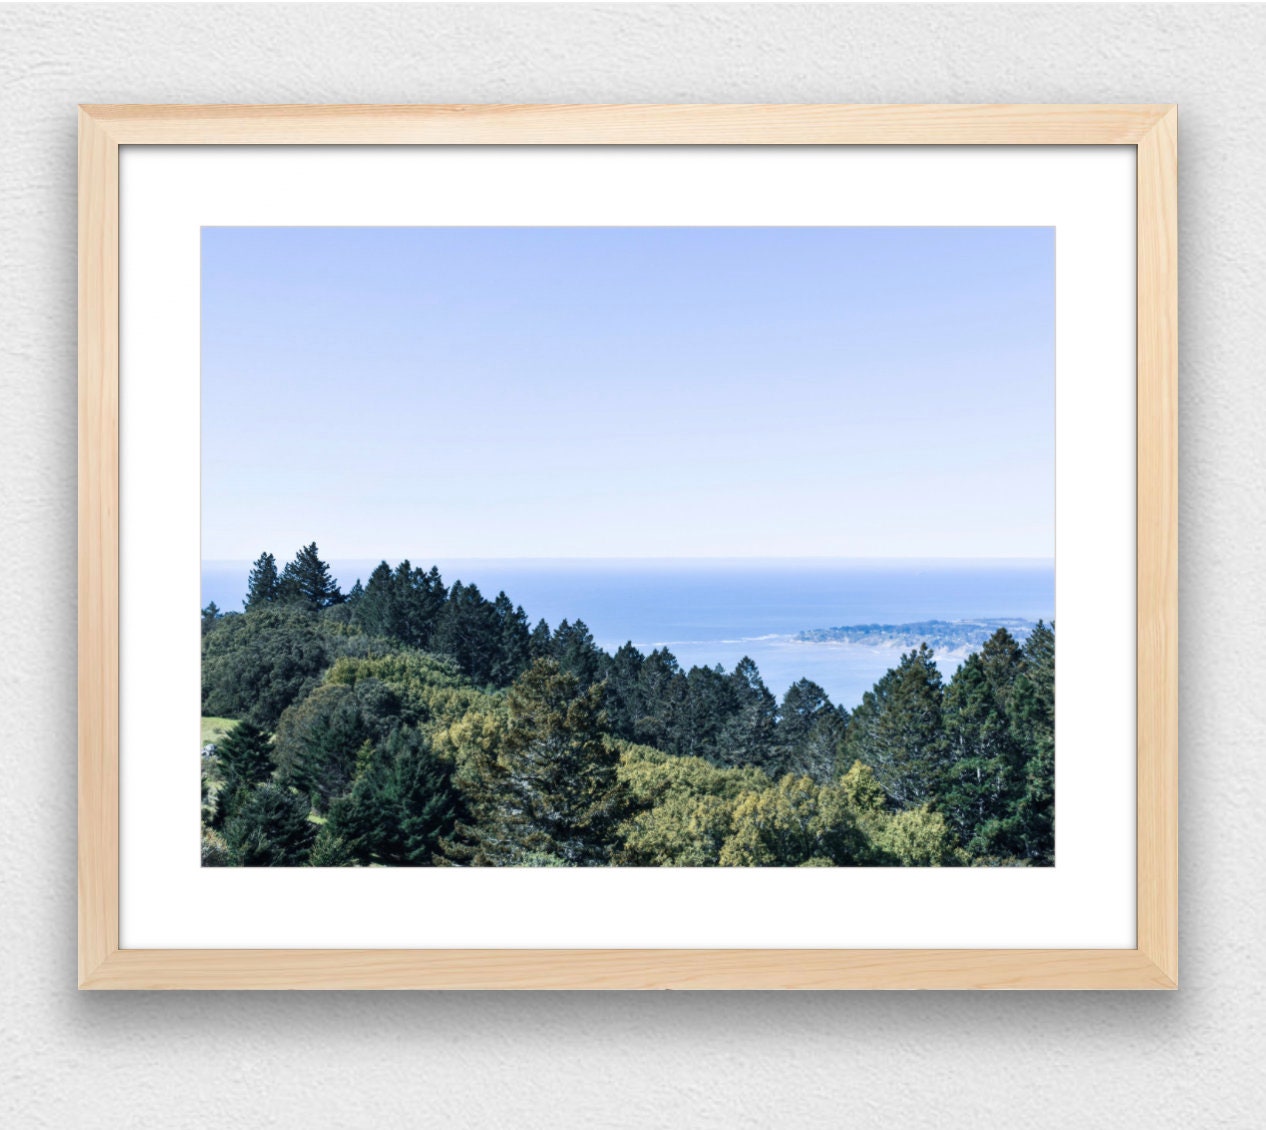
402 804
263 586
306 581
748 735
328 850
551 792
540 644
898 730
810 731
576 653
1032 830
210 615
985 777
514 650
245 760
414 602
661 699
468 631
320 738
376 610
709 703
621 672
270 828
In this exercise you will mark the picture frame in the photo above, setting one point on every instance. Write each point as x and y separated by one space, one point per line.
1151 130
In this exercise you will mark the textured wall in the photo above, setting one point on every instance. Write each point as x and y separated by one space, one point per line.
907 1060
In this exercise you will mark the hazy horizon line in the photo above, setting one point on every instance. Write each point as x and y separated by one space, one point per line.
1027 559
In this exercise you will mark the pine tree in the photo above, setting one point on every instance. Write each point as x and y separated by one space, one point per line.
319 738
468 631
245 760
661 698
263 586
551 792
748 735
306 580
402 804
540 644
514 642
710 702
576 653
210 615
810 730
270 828
376 609
898 730
1032 828
623 702
328 850
986 774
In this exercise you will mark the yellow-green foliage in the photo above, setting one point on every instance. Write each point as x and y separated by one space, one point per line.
431 687
863 789
794 822
688 813
685 812
680 811
682 807
476 736
919 837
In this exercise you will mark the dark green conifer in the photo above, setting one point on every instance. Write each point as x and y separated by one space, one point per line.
263 586
306 581
269 828
245 760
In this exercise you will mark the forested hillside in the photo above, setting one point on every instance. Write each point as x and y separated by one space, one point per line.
410 723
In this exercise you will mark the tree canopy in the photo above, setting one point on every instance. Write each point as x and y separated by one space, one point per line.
416 723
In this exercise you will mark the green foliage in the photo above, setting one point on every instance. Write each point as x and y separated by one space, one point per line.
810 732
475 634
256 664
432 725
430 688
214 853
898 730
306 581
917 837
244 758
401 604
792 823
576 654
318 738
210 615
269 828
402 804
551 785
329 850
1030 833
263 586
985 776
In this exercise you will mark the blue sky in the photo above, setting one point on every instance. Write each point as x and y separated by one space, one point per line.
628 392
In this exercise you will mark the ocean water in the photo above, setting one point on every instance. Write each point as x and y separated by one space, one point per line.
713 611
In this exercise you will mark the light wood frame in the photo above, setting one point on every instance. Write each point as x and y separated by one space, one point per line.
1152 129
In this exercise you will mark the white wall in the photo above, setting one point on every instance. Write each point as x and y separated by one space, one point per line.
896 1060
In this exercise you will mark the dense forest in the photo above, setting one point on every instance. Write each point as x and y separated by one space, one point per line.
410 723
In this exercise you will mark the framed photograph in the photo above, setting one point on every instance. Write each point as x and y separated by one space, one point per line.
626 547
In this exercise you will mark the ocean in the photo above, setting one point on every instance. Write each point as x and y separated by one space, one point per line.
709 611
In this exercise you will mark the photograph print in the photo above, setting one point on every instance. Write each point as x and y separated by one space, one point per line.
628 547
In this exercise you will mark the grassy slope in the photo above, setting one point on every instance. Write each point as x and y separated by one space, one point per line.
213 729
